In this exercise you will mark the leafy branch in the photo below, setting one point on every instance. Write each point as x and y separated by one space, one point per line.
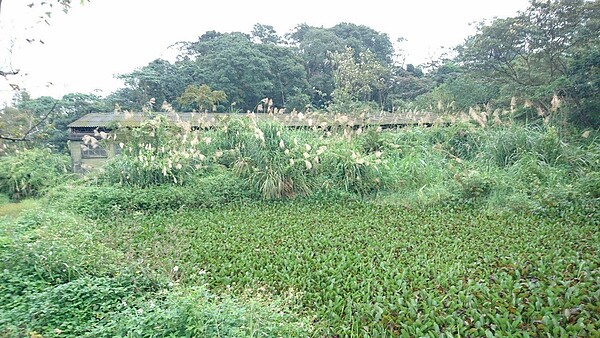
32 130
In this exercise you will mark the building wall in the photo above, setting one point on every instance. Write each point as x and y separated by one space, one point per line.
82 165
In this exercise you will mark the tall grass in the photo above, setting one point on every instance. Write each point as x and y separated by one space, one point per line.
466 162
30 172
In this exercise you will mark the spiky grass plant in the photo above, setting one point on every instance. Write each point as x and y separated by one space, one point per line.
30 172
275 163
157 152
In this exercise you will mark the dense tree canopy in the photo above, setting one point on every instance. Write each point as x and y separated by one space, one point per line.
550 49
539 52
44 120
296 71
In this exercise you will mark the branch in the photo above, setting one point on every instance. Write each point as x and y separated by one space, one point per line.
13 139
30 131
6 73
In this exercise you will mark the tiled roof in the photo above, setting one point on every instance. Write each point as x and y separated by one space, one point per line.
108 120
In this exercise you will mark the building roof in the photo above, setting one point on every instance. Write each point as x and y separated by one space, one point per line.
108 120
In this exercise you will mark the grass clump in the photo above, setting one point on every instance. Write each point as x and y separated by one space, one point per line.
101 201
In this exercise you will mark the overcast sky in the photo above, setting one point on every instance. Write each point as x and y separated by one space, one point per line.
84 49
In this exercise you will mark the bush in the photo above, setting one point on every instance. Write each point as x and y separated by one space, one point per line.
59 247
275 163
71 309
30 173
474 184
353 171
99 202
157 152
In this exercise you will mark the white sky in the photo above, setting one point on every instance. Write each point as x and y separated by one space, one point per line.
85 48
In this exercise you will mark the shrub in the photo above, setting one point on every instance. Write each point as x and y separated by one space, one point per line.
474 184
71 309
30 173
352 170
59 247
196 312
99 202
503 146
275 163
157 152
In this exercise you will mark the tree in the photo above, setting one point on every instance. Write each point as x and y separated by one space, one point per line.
201 97
290 84
314 47
406 85
28 120
235 65
44 120
355 80
265 34
315 43
362 38
159 79
529 56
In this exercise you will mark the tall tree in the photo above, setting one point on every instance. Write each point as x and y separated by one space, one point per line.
362 38
160 79
355 80
235 65
201 98
530 54
314 47
265 34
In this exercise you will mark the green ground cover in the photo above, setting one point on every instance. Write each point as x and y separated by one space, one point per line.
255 230
363 269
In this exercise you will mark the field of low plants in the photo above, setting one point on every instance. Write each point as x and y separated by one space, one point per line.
254 230
360 269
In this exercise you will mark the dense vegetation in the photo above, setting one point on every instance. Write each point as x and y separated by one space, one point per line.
486 225
257 230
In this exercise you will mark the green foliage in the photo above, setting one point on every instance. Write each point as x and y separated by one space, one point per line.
364 269
354 79
275 163
474 184
196 312
59 277
42 122
159 79
31 172
417 165
494 221
548 49
60 247
202 97
353 170
157 152
99 202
